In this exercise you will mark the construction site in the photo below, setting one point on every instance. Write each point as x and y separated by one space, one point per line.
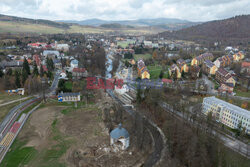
61 135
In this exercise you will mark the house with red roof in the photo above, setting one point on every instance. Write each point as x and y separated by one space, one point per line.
36 58
78 73
245 66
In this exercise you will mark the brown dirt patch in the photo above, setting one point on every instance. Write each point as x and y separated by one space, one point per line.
39 126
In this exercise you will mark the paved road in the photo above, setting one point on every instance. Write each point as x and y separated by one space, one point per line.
52 90
158 138
209 83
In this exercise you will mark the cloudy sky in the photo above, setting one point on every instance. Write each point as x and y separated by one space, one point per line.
193 10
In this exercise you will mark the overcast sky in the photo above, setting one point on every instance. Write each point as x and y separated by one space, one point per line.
193 10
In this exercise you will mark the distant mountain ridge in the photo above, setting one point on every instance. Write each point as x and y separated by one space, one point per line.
237 27
166 23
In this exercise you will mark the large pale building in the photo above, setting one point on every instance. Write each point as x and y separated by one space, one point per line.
227 113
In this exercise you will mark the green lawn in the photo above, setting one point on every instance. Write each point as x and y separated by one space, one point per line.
5 97
19 155
241 93
156 70
68 85
142 56
124 44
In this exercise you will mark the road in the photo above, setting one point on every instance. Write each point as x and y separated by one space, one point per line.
210 84
228 141
158 138
52 90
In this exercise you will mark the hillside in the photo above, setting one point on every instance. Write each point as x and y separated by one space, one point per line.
6 18
232 28
12 24
163 23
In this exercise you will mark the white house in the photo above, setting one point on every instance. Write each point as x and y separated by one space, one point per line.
64 97
119 138
63 47
63 75
50 52
74 64
122 90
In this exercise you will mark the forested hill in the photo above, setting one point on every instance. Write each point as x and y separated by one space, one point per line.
237 27
14 19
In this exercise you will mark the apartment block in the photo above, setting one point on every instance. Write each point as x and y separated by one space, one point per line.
227 113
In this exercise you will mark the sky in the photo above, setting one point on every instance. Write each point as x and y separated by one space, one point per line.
192 10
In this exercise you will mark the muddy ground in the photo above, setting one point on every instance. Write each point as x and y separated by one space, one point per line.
77 138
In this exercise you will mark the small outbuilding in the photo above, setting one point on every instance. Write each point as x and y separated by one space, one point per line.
119 138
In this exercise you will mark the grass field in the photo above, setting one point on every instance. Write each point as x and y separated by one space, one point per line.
30 28
68 85
241 93
156 70
4 97
19 155
22 27
142 56
124 44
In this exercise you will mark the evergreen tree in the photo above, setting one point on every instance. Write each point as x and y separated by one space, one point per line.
17 79
50 64
41 71
161 75
26 67
9 72
35 70
24 76
1 73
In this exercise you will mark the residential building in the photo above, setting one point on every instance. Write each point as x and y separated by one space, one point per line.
37 45
148 44
143 72
174 71
209 68
67 97
200 59
36 58
223 61
11 64
166 81
227 113
51 53
78 73
226 87
19 91
245 67
74 64
182 65
223 76
63 75
62 47
195 71
57 63
238 56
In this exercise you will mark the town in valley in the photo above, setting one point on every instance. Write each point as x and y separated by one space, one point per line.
147 92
